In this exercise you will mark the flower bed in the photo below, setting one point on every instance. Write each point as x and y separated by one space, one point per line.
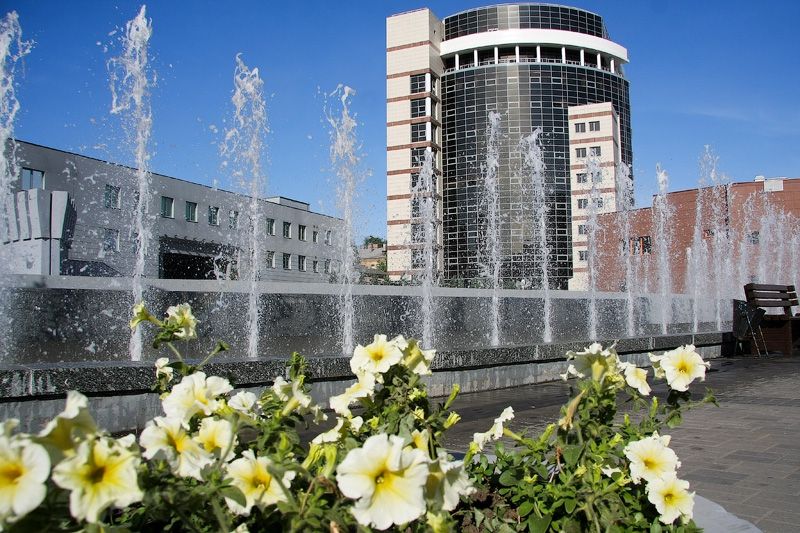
219 461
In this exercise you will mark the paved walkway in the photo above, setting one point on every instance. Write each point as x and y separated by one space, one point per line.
744 455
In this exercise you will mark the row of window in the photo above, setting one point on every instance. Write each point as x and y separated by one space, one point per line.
583 203
593 150
302 263
580 127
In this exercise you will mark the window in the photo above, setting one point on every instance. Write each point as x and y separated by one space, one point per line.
418 108
213 216
301 232
271 259
414 180
582 255
191 211
583 203
327 266
582 229
580 127
287 230
301 263
328 237
315 266
417 259
418 132
754 237
111 197
315 237
598 202
641 245
580 152
167 207
594 125
287 261
595 150
581 177
110 240
32 179
417 157
418 84
270 226
415 207
233 219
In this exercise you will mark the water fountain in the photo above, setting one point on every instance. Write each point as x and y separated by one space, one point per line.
130 79
490 253
345 160
533 168
625 191
663 237
595 175
424 192
243 151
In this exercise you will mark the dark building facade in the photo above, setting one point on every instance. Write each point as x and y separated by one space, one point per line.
531 63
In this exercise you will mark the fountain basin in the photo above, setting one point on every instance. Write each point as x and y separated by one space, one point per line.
121 399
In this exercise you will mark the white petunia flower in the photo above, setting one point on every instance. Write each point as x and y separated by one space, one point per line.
636 378
101 474
363 388
387 480
167 438
672 498
24 469
418 360
594 362
73 422
252 476
377 357
496 431
195 394
163 370
216 436
682 366
243 401
447 482
651 458
182 317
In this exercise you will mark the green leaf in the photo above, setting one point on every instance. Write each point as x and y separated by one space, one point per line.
569 505
526 508
508 478
655 527
572 453
674 419
539 524
234 494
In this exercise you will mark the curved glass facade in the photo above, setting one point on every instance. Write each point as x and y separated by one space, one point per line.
527 95
524 16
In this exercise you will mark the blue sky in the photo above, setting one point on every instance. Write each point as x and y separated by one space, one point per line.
712 72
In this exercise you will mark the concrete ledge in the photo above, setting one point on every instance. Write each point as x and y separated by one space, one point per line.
121 399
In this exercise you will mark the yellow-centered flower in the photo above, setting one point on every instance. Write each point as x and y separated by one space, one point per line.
378 356
24 469
650 458
386 479
254 477
672 498
101 474
682 366
166 438
181 316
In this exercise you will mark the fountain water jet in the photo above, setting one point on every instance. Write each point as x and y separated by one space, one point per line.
12 50
424 192
129 80
663 214
595 175
345 160
534 168
244 150
625 187
490 253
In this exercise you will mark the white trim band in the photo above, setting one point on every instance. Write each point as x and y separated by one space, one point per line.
533 37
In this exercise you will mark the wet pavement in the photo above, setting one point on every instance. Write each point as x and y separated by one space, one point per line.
743 455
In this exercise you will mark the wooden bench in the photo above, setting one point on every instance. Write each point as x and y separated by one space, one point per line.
780 332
